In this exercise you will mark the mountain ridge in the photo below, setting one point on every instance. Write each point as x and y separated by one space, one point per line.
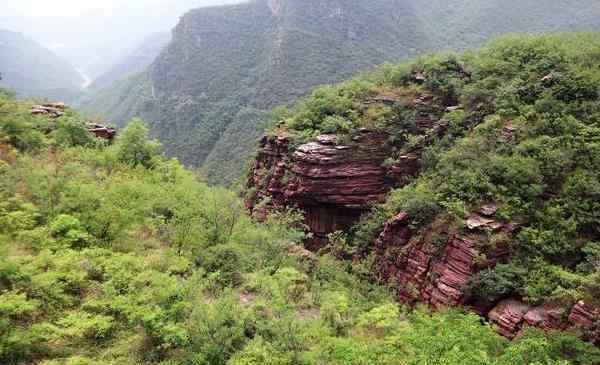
34 71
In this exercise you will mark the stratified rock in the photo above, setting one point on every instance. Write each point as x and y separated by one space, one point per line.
102 131
586 318
547 317
334 181
583 315
453 272
52 110
508 317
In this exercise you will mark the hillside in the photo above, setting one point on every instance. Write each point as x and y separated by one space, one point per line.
32 70
112 254
163 277
134 63
228 66
460 180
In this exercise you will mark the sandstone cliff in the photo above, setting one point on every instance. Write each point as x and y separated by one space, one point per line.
479 209
334 181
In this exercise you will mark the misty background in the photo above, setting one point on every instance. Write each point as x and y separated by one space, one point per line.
94 35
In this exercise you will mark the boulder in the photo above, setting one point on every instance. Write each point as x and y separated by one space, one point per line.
508 317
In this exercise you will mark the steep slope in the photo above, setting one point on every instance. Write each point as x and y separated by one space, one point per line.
32 70
124 87
135 62
227 66
462 180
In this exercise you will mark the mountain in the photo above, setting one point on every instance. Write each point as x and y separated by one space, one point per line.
460 180
209 91
122 86
95 40
32 70
227 66
135 62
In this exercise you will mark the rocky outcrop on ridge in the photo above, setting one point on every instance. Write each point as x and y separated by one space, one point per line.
333 179
57 110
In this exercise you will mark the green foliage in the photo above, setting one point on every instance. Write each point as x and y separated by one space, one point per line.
451 338
133 146
16 126
71 131
112 254
525 137
500 282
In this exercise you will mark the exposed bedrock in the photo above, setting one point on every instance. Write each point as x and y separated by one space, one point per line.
332 182
435 274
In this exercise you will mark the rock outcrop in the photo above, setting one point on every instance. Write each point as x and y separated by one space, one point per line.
333 183
508 316
52 110
102 131
57 110
333 179
422 272
432 272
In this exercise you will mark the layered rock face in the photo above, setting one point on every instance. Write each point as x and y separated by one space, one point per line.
331 182
437 274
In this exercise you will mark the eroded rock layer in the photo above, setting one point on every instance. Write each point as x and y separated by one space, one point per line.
423 271
332 182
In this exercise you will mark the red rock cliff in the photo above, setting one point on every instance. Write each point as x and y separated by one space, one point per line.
438 276
331 182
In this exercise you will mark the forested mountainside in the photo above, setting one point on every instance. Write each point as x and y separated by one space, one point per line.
466 23
32 70
135 63
460 180
112 254
227 66
208 92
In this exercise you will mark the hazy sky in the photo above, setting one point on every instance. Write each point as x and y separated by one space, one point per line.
37 8
93 35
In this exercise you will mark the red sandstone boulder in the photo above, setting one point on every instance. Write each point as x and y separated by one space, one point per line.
546 317
508 317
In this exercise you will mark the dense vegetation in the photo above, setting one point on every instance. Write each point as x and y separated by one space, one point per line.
207 94
523 133
134 63
113 254
32 70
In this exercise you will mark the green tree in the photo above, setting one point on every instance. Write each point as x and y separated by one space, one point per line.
134 146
